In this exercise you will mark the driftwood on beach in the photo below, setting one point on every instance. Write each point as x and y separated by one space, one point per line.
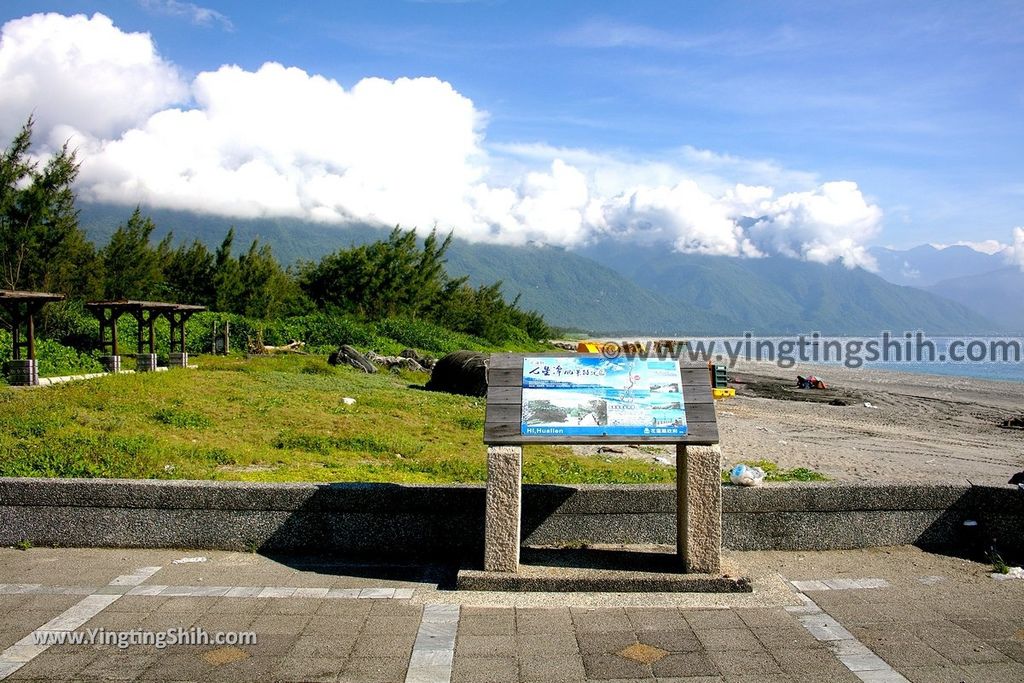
346 355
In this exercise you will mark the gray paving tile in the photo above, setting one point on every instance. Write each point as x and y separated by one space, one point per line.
56 665
685 664
389 624
542 620
488 625
485 646
309 669
325 646
485 670
395 608
729 639
712 619
383 645
122 666
279 623
564 669
607 642
933 674
762 616
609 666
785 637
374 669
601 620
737 662
671 640
548 644
806 661
993 673
656 619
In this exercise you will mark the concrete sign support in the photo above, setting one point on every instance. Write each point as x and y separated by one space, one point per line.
503 521
675 409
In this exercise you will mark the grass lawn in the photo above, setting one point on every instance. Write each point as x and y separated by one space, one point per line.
277 418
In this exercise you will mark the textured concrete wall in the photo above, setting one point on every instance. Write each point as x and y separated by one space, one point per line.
397 520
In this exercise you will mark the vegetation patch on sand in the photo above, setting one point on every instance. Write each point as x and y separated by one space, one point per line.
270 418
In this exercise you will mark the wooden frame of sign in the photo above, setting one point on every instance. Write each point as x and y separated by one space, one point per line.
698 465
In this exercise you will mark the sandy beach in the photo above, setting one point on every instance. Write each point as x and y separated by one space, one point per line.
918 428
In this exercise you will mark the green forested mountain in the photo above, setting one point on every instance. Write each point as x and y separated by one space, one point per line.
783 295
616 288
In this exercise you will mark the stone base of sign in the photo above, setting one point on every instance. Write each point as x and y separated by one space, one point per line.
111 363
504 507
145 362
531 578
699 508
22 372
177 360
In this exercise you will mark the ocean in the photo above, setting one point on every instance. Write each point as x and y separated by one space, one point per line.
993 358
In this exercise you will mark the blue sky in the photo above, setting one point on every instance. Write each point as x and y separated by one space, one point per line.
920 104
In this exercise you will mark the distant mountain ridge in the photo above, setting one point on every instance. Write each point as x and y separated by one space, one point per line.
925 265
982 282
783 295
995 295
618 288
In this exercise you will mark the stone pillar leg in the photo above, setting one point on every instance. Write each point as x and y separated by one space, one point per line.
504 508
145 362
177 360
699 508
111 363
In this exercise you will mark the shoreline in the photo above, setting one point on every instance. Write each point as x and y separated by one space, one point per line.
916 428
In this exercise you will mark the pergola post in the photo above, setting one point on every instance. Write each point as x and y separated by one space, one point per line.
178 317
22 307
145 357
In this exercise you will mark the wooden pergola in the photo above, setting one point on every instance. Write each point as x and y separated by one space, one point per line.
22 308
146 314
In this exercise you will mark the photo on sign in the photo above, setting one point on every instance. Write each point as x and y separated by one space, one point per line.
601 396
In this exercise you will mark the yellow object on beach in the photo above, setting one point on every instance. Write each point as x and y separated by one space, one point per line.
597 347
724 393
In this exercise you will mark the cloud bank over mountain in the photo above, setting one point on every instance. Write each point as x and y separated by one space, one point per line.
1015 252
279 141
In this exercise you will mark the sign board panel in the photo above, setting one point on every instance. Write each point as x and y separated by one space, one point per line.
595 396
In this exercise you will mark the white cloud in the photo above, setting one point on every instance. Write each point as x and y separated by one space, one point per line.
1015 252
832 222
84 71
989 247
202 16
281 141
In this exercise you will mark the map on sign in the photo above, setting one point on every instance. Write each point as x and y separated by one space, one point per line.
588 396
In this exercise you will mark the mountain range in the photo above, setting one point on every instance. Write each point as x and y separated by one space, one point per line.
621 288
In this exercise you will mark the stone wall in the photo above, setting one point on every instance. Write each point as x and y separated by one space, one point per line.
391 520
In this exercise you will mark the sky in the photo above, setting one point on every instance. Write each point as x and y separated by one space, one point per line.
803 129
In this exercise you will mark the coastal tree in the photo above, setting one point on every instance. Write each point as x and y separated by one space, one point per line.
41 244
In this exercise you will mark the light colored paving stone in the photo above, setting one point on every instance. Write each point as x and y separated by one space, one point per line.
434 650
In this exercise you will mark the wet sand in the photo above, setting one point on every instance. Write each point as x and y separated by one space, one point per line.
918 428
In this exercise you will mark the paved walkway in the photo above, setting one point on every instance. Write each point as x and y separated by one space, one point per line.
893 614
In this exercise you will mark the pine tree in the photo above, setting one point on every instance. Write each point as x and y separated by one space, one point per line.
41 245
132 268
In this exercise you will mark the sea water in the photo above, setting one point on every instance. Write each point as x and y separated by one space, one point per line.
979 358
